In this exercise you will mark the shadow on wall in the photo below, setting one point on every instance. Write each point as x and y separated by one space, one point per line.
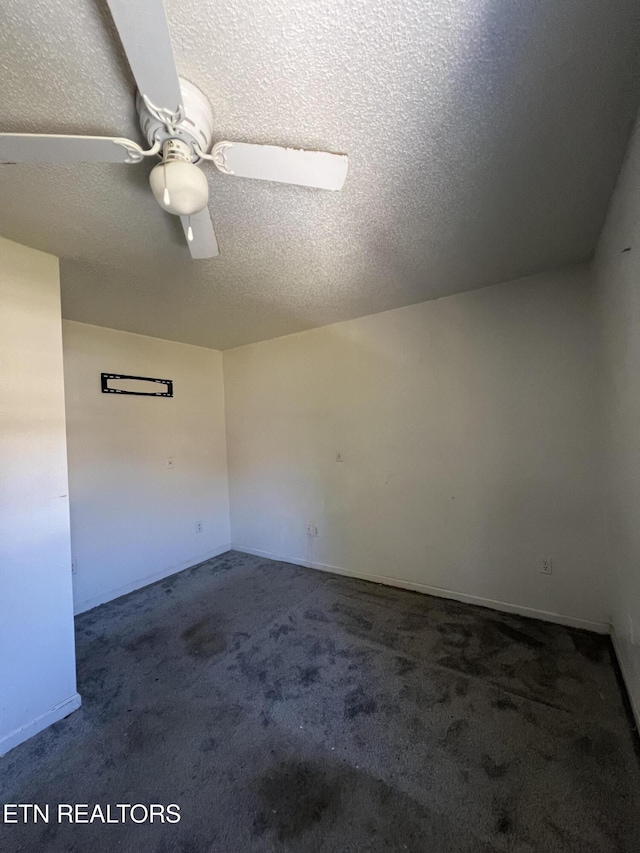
527 222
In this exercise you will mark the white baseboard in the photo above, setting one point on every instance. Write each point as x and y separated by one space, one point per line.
32 728
633 688
138 583
493 604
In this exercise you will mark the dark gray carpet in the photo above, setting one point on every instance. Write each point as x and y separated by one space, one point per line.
287 709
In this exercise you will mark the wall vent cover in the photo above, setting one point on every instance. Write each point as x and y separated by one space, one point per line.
138 386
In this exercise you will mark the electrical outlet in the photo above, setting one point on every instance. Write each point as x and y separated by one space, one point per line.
170 462
199 527
339 456
545 566
74 566
312 530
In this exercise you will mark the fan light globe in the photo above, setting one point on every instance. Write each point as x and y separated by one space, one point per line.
179 187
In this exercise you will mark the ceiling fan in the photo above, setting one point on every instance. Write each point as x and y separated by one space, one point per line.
177 121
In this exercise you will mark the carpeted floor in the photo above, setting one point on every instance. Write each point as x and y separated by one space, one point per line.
287 709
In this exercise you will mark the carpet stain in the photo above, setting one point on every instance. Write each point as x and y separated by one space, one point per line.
354 616
315 615
454 634
600 746
204 638
136 736
359 703
316 805
540 675
324 647
492 769
281 630
462 687
295 797
404 665
503 703
349 735
462 664
412 623
49 834
593 647
309 675
502 817
455 731
144 642
274 691
516 635
443 696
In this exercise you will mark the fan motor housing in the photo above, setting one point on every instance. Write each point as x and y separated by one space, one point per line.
194 130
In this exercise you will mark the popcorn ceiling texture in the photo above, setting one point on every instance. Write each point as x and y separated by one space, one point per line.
484 138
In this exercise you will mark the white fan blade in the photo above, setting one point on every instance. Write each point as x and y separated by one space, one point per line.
286 165
144 33
43 148
204 243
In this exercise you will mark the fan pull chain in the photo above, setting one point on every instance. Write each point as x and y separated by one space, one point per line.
190 232
166 198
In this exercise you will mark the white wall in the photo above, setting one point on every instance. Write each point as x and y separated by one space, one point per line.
133 520
469 432
37 655
617 274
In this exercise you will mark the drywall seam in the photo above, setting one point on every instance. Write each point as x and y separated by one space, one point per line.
90 603
633 691
492 604
18 736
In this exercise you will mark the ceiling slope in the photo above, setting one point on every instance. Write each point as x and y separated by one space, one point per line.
484 139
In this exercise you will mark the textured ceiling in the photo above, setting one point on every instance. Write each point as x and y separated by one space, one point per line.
484 139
